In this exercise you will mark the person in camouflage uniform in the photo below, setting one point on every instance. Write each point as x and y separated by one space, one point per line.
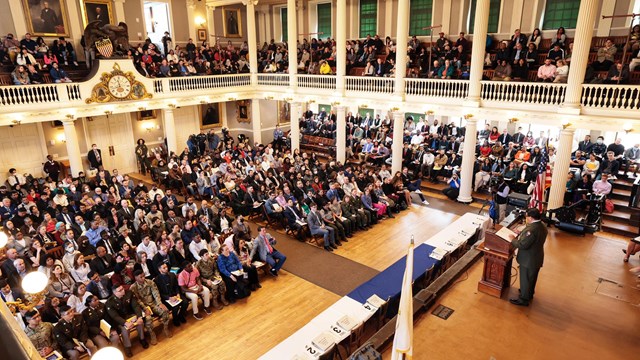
211 278
40 333
148 296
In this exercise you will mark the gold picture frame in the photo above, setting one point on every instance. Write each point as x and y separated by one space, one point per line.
284 112
210 116
202 34
147 115
232 22
50 22
91 13
243 111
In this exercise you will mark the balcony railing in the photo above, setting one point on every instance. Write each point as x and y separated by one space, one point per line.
327 82
208 82
618 97
30 94
522 92
273 79
458 89
382 85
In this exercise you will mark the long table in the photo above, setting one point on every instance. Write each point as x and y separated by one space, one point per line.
387 284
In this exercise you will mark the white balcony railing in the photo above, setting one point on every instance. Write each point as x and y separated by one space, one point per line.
30 94
327 82
523 92
208 82
619 97
458 89
382 85
273 79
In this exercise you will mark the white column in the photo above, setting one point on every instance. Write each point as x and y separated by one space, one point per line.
396 145
191 20
468 158
477 54
170 130
401 46
253 42
211 29
256 121
119 11
295 125
73 149
300 19
341 43
560 169
292 36
17 14
341 133
580 55
604 25
388 10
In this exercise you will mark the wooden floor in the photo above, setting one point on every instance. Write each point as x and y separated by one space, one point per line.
573 315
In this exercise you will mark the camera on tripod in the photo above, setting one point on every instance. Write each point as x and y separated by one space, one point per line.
494 182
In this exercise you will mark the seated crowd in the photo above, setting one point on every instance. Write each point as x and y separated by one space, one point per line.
32 58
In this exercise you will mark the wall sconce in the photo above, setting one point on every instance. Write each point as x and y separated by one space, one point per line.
468 116
335 103
231 99
311 101
148 126
288 99
142 108
565 124
16 122
364 106
61 138
268 97
108 112
70 116
513 120
172 105
395 108
429 112
199 20
627 127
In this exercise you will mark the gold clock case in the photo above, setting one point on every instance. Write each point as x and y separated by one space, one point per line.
100 93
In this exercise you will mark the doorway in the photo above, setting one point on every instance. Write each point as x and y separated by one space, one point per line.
114 135
157 21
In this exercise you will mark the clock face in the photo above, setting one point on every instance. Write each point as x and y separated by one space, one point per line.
119 86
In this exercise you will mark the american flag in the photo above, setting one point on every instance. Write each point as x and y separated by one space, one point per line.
538 192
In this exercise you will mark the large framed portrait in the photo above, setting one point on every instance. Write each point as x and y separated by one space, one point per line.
202 34
98 10
284 112
231 22
147 115
211 116
46 17
243 111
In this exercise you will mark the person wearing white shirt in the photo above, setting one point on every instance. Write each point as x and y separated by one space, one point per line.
417 139
148 247
384 173
78 298
196 246
15 178
427 163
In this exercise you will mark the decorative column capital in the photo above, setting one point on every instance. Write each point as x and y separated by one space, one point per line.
191 4
247 2
119 1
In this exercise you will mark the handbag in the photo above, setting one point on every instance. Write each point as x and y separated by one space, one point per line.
608 206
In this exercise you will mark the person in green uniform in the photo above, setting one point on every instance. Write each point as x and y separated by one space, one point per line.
530 245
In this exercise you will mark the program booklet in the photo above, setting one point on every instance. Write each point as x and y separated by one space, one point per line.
323 341
376 301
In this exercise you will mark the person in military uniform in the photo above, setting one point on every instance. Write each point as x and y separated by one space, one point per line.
125 314
530 245
40 333
95 312
211 278
167 283
150 301
72 335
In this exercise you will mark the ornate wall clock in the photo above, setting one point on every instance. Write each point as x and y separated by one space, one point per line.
118 85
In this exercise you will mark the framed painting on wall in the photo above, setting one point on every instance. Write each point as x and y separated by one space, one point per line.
146 115
231 22
46 17
243 111
98 10
202 34
211 116
284 112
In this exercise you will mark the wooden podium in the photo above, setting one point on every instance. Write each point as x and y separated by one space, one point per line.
498 256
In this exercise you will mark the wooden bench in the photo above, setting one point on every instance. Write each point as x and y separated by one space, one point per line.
322 146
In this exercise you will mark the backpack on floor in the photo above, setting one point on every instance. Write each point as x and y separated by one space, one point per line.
241 290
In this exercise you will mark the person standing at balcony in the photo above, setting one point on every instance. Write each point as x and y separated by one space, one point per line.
546 72
52 168
462 41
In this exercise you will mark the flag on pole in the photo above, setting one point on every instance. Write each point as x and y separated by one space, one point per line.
538 191
403 339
